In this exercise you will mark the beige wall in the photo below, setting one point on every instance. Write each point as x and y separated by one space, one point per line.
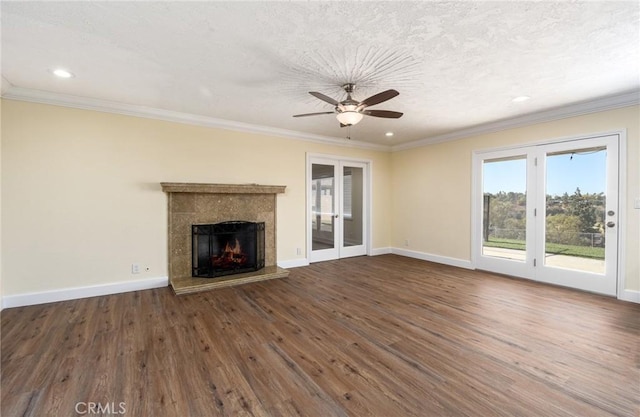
432 185
81 196
81 199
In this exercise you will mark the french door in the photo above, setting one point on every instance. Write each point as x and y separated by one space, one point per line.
550 213
337 208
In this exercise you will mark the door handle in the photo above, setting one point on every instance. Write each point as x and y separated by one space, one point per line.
611 224
335 215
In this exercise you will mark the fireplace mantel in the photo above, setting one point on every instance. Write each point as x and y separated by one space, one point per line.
196 203
187 187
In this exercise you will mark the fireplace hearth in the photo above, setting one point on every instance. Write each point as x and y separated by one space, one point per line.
227 248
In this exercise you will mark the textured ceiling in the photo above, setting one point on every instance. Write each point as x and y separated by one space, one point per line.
456 64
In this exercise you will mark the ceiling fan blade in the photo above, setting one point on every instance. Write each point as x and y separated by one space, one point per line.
313 114
324 98
378 98
383 113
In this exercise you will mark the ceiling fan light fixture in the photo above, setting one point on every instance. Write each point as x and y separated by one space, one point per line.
350 112
349 117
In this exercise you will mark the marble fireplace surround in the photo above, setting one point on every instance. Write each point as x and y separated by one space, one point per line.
192 203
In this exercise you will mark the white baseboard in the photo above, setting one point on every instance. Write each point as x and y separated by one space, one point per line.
630 295
380 251
52 296
626 295
296 263
27 299
433 258
293 263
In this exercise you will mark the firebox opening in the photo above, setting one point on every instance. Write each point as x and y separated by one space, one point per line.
227 248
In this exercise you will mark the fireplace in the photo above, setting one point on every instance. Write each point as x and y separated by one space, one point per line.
227 248
200 204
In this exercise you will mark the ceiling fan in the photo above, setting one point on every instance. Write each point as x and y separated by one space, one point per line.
349 111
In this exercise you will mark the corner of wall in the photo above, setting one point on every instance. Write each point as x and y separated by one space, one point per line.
1 292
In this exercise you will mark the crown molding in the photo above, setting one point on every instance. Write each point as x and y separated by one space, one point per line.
4 86
631 98
86 103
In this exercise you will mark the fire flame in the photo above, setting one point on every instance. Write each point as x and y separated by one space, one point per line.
235 249
231 257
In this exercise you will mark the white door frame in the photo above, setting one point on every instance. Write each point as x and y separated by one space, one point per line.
477 201
367 196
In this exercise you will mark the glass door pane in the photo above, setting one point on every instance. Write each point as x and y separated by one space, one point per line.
353 221
504 208
575 209
322 207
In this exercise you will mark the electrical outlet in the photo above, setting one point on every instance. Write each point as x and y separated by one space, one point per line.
298 251
406 242
636 203
135 268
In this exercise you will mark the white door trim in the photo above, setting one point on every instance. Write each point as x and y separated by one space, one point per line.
622 211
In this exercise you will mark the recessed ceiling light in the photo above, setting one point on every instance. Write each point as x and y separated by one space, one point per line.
520 99
62 73
389 134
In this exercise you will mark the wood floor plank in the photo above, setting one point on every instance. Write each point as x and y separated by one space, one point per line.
371 336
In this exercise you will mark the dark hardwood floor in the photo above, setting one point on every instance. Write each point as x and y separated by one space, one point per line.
383 336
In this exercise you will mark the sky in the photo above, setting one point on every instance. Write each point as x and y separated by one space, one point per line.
564 174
